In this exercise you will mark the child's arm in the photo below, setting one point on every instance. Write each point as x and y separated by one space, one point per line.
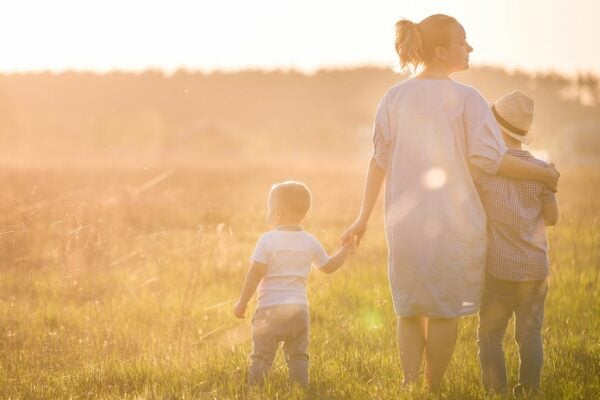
339 258
550 212
253 277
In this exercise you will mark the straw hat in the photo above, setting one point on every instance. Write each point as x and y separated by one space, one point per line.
514 113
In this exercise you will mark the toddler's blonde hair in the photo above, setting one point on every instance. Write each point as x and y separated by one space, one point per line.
292 196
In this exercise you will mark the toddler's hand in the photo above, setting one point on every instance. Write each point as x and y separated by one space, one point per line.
239 310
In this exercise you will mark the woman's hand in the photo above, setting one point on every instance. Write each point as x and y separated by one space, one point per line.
355 232
240 310
375 178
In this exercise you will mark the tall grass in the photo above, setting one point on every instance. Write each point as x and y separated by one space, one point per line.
114 284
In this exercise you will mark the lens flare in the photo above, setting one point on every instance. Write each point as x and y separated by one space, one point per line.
371 320
434 178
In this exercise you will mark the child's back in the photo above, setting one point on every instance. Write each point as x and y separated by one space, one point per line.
281 263
288 256
517 246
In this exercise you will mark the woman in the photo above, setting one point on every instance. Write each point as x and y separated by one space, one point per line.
429 131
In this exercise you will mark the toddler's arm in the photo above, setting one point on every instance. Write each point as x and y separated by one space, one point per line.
339 258
253 277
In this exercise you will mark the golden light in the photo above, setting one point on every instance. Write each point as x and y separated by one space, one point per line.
268 34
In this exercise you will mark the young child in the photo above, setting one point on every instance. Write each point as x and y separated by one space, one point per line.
517 261
281 263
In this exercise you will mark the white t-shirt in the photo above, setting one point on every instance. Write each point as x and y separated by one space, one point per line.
288 256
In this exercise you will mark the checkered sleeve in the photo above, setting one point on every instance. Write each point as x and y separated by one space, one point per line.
548 197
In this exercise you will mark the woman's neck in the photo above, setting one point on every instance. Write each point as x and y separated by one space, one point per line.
434 72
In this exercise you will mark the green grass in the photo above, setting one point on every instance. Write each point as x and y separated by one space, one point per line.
108 294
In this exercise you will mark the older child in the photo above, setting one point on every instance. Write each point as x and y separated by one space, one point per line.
517 261
280 267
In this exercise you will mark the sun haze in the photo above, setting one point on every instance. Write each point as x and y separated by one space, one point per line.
269 34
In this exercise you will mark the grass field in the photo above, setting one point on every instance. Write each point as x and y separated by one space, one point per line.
119 284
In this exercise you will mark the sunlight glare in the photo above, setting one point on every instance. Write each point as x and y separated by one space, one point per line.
541 154
434 178
372 320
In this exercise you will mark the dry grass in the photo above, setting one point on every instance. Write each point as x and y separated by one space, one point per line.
118 284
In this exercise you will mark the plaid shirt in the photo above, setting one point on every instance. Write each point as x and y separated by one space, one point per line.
517 246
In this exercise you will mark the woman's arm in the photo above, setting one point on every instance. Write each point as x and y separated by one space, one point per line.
375 178
515 168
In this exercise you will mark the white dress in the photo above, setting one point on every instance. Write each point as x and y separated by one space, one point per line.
428 133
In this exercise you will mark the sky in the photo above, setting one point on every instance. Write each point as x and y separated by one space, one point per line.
533 35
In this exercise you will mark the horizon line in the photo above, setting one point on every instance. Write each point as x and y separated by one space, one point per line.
284 69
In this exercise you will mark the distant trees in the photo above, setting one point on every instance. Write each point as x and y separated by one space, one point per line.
589 89
81 118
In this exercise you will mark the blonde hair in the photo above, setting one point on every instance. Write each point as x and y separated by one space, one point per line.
416 43
293 197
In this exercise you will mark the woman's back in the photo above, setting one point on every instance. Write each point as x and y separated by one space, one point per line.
435 224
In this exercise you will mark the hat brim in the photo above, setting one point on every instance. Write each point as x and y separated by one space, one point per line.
525 139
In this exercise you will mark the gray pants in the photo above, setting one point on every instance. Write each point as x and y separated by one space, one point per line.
287 323
500 299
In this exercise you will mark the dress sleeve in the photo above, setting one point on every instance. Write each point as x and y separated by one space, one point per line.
319 255
382 135
484 138
260 251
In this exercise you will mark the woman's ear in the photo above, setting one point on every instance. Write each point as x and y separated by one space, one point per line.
441 53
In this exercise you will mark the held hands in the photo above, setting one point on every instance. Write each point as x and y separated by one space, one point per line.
240 310
354 233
